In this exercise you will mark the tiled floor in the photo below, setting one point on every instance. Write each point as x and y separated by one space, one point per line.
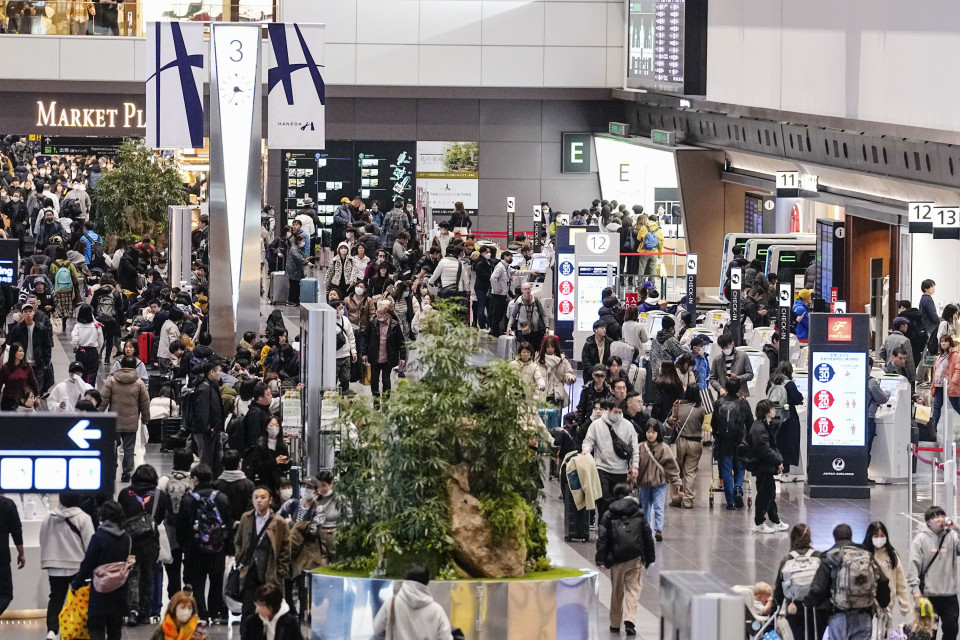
706 539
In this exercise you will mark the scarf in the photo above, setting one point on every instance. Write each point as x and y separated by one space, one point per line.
185 632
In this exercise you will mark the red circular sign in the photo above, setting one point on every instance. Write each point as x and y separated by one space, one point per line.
823 399
823 427
566 307
566 287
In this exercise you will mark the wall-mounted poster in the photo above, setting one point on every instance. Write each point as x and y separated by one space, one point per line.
450 172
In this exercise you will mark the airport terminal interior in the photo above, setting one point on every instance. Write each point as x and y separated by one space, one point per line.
481 319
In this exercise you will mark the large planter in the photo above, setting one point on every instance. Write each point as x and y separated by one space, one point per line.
553 608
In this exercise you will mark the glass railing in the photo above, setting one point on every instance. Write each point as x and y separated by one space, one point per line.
113 18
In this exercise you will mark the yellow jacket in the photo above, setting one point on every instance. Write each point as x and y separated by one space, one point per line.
583 479
654 228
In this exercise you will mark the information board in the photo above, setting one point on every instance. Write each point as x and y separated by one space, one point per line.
566 299
9 260
592 279
838 388
57 451
666 48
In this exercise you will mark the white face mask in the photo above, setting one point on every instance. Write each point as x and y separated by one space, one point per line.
273 431
360 291
306 492
184 614
879 542
728 351
326 493
286 494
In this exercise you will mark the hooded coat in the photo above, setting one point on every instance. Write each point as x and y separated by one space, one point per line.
412 613
609 317
623 509
125 394
109 544
62 548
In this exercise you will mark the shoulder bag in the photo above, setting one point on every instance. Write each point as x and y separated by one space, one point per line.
452 290
623 450
923 573
107 578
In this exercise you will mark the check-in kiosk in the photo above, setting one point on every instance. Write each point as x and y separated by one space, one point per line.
716 320
889 462
761 375
802 380
760 336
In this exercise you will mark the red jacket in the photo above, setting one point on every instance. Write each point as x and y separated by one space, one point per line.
953 371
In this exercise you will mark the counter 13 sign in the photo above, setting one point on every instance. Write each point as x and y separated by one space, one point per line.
839 394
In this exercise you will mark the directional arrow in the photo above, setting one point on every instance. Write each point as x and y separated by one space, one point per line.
80 434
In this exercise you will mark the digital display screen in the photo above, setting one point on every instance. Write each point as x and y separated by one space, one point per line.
592 279
9 260
890 385
752 214
824 282
838 407
800 379
656 326
540 263
666 46
757 360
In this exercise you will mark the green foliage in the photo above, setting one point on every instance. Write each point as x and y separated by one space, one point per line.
133 197
393 480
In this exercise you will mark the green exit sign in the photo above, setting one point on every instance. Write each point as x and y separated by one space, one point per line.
619 129
659 136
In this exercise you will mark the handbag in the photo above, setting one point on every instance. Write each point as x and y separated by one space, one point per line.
231 586
107 578
365 374
73 616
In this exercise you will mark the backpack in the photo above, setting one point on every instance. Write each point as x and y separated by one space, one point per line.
63 280
778 396
235 434
727 417
650 241
96 251
70 208
627 542
798 572
142 526
106 308
207 523
746 454
178 486
855 583
395 225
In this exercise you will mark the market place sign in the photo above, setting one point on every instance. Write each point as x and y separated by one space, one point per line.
127 116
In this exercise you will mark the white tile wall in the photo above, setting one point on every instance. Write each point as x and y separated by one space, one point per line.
512 67
446 65
446 22
582 24
509 43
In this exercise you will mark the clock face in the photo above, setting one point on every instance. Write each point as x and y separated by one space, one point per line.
236 89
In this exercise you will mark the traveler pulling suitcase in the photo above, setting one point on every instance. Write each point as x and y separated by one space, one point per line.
576 522
507 347
309 290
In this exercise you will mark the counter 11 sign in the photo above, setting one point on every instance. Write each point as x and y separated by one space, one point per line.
839 394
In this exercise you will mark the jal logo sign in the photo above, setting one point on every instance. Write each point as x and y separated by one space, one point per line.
576 152
840 329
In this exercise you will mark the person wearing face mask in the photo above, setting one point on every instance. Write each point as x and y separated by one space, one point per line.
342 273
296 260
269 461
65 395
305 519
274 619
206 511
499 290
730 363
932 571
383 347
360 307
483 268
181 620
615 464
877 540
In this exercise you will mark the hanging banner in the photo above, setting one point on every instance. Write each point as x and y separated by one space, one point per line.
736 322
297 94
691 295
175 77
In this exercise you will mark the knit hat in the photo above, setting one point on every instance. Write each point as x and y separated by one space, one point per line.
805 293
900 321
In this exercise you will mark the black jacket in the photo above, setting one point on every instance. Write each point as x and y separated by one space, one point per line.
763 443
9 527
188 512
915 332
609 318
396 347
263 468
618 510
127 271
238 493
255 425
288 628
483 269
109 544
821 587
42 344
727 446
590 355
773 355
588 397
207 408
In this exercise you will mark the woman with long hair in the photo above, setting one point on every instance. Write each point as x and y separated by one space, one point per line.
946 378
948 321
877 542
634 333
687 418
686 368
788 421
556 370
86 339
668 389
16 376
109 544
657 469
801 621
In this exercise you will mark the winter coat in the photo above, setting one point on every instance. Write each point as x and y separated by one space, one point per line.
727 447
803 324
238 489
530 374
296 259
635 334
589 396
412 613
169 334
940 578
897 340
876 396
528 313
127 396
109 544
624 508
788 431
359 311
651 475
778 596
897 577
188 513
590 355
484 270
557 373
606 314
821 587
70 391
262 466
207 408
952 365
346 268
42 342
62 548
285 626
773 356
928 312
278 533
665 346
763 444
396 347
500 279
741 368
599 444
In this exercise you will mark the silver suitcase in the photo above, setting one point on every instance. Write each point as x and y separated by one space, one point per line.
279 287
507 347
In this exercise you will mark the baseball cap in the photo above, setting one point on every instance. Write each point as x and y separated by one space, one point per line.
342 200
75 367
26 305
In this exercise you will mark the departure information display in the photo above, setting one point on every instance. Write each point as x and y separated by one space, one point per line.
667 46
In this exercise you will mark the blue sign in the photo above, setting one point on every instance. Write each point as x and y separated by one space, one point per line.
823 373
566 268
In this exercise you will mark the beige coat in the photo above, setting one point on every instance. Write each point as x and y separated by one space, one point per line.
557 372
278 566
899 591
126 395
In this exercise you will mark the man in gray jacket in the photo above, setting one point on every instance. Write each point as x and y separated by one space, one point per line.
499 289
611 467
932 570
730 362
898 338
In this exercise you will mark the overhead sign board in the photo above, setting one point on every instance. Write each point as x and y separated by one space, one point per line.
57 451
946 223
920 216
576 152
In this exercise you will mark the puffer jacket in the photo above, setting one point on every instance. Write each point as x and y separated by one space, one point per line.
621 509
763 443
530 374
609 318
125 394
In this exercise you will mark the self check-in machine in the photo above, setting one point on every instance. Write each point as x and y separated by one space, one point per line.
889 462
761 375
801 379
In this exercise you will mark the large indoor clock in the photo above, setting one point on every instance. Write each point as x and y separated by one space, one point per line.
236 88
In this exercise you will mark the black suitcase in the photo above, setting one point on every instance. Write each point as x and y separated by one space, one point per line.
576 522
155 381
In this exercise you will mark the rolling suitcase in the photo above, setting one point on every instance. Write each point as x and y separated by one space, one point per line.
145 342
507 347
309 290
279 290
551 418
576 522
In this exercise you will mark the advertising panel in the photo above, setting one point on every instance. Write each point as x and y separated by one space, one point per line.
450 173
838 385
297 94
566 296
9 260
592 279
